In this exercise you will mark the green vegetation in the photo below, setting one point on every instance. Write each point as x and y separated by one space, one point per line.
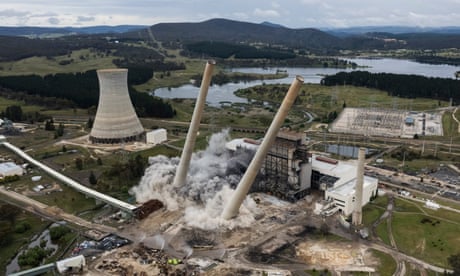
239 51
12 239
82 61
406 86
33 256
81 89
326 101
387 264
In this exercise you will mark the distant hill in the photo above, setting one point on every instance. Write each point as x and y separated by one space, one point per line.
243 32
270 24
51 31
342 32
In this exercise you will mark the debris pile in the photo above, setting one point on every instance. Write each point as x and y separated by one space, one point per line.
143 261
90 248
198 238
148 207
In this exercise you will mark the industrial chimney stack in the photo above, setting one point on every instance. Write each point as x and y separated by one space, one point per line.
116 121
232 207
357 215
184 163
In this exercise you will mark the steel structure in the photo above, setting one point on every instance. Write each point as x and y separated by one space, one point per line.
116 121
232 207
285 170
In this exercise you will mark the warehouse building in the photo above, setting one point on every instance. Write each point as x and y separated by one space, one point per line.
10 169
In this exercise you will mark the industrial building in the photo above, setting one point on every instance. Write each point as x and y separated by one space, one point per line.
115 121
290 172
157 136
10 169
338 181
286 169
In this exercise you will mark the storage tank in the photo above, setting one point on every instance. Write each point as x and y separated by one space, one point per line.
116 121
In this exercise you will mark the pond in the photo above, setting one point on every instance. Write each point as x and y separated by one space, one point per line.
13 266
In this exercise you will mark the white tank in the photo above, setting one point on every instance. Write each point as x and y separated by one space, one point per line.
116 121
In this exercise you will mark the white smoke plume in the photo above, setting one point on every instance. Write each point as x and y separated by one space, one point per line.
207 187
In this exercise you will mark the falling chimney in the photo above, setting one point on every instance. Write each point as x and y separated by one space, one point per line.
357 216
233 206
184 163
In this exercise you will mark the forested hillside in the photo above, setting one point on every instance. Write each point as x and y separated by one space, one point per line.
82 89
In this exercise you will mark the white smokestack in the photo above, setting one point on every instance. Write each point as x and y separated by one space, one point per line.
357 216
233 206
184 163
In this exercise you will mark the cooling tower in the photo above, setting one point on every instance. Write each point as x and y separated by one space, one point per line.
232 207
116 121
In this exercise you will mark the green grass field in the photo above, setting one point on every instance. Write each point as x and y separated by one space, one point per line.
83 60
387 264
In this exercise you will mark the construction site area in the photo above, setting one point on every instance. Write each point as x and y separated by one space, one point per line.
388 122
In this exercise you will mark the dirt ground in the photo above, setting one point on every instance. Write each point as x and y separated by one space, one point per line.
337 255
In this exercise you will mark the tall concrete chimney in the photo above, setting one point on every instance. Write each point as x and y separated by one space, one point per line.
357 216
115 121
184 163
233 206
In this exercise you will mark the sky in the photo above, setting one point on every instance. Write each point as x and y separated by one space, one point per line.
289 13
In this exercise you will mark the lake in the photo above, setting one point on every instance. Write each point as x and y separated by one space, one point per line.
225 93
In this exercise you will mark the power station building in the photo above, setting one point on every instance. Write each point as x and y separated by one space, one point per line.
337 179
116 121
290 172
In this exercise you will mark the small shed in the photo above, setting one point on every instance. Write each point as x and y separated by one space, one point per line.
157 136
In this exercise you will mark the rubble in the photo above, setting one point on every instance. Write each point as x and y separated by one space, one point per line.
148 207
142 260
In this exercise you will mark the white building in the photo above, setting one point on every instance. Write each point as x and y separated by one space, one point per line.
157 136
10 169
338 181
72 264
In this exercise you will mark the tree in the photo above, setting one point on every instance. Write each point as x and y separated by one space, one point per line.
454 262
49 125
60 130
79 163
92 178
14 113
90 122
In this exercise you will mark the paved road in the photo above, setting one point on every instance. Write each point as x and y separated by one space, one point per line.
52 212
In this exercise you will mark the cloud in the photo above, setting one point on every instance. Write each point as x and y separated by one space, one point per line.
85 19
54 21
12 13
310 2
240 15
266 13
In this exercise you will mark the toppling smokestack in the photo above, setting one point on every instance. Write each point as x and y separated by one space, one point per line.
357 216
233 206
184 163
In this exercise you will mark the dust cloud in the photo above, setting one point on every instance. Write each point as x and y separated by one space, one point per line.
212 175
